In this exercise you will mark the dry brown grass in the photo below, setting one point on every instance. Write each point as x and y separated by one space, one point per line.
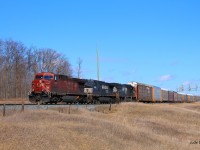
128 126
14 101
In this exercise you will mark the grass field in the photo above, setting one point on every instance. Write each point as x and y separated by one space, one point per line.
14 101
128 126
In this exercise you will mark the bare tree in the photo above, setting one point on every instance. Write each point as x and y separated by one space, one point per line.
18 65
1 54
48 60
1 68
13 70
29 59
63 66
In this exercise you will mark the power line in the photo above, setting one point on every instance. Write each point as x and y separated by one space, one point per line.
183 88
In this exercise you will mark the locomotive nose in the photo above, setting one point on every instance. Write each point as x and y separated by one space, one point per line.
37 86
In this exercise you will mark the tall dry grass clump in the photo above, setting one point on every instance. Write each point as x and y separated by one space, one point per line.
127 126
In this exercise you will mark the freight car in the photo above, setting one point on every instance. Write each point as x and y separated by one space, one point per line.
175 97
179 97
157 94
144 92
149 93
165 96
170 96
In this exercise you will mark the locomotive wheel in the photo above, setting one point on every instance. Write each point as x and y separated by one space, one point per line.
54 100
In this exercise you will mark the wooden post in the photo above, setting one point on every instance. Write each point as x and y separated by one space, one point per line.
60 110
77 106
38 105
4 110
22 110
110 106
69 109
117 97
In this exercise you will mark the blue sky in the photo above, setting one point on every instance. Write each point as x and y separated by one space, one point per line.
155 42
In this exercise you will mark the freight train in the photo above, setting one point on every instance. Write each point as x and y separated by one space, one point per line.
48 87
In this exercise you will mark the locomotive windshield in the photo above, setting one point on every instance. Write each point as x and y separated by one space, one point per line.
39 77
46 77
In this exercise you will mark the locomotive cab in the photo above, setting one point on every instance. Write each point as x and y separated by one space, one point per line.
41 83
41 87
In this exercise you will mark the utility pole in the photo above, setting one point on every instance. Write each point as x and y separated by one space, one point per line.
97 65
79 68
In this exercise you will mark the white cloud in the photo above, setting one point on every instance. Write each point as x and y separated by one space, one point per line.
186 82
165 77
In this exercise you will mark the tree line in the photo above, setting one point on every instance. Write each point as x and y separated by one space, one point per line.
19 63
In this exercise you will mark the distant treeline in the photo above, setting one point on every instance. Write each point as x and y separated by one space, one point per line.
18 64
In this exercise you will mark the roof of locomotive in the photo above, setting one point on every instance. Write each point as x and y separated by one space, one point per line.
115 84
39 73
138 83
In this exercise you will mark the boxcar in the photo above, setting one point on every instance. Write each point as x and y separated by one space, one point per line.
175 97
194 98
191 98
188 98
157 94
170 96
197 98
143 92
184 98
179 97
164 95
